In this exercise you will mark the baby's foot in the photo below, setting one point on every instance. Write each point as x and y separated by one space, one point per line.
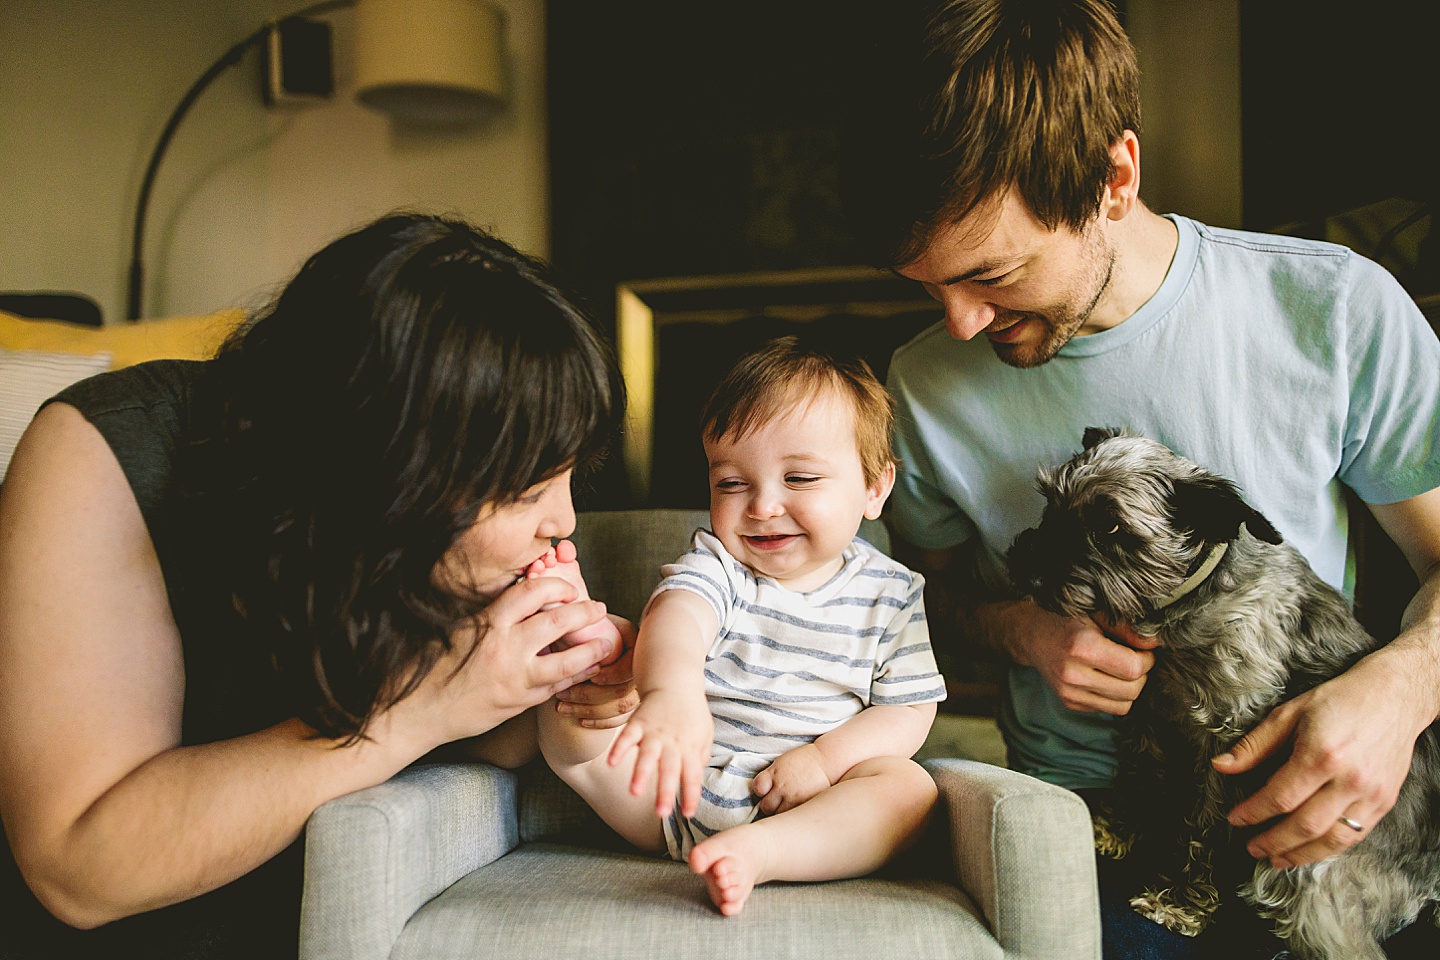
560 561
730 868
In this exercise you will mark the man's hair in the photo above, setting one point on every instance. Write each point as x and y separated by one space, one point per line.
412 372
1015 95
785 373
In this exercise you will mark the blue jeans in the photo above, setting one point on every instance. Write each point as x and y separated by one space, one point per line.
1126 935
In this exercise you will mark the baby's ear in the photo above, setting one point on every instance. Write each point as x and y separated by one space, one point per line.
879 492
1213 508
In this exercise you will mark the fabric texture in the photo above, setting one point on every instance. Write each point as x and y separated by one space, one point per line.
149 414
27 379
398 845
787 667
1287 365
567 884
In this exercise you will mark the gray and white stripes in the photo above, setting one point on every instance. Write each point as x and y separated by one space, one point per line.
787 667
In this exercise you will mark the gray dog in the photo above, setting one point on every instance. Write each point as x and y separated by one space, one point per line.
1143 535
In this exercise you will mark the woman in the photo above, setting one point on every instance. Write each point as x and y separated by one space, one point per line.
231 591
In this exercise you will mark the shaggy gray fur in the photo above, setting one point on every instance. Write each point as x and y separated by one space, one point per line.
1127 522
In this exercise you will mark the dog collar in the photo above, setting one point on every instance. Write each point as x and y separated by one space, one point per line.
1212 560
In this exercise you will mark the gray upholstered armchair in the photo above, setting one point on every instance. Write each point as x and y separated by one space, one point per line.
452 861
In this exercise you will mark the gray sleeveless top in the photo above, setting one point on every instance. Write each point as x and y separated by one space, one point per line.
151 415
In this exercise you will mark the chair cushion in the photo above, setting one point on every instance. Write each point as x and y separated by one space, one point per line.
530 903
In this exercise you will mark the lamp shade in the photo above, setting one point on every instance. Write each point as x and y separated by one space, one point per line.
430 61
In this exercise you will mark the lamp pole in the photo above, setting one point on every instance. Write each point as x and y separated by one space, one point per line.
228 59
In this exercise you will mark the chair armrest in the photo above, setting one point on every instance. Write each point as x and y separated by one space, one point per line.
374 857
1024 852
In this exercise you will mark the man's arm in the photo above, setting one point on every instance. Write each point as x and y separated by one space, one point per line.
1092 666
1354 735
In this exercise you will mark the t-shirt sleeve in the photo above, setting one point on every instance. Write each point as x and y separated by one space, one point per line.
137 410
905 669
922 512
1390 450
707 570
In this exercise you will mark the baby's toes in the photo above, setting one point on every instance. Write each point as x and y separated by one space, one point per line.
538 568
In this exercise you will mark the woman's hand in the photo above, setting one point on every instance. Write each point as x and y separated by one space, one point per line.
495 669
609 697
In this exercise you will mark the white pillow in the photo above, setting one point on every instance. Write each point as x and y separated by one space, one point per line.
30 377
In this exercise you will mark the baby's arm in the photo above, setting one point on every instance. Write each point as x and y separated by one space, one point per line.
671 732
560 561
878 731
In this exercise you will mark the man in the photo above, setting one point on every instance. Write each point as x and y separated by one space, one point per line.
1290 366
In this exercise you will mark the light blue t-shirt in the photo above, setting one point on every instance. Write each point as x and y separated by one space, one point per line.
1290 366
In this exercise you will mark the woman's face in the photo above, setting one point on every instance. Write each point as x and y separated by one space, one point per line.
505 539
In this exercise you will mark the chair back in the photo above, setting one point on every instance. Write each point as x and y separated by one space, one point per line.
622 551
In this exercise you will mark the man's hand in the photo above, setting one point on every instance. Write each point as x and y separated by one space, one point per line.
1094 666
794 777
1353 737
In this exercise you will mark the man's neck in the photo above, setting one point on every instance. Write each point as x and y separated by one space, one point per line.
1144 245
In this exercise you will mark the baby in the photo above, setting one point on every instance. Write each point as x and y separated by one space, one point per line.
784 665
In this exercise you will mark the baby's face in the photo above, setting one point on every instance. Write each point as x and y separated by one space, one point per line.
788 497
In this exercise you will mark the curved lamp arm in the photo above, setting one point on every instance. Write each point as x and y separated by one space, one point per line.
227 60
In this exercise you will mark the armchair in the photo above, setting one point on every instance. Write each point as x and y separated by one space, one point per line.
467 860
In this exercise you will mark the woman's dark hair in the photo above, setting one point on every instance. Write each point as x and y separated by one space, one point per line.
410 373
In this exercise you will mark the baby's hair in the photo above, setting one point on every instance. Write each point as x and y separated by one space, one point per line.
785 373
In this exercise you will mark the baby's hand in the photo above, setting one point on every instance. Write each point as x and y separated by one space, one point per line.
671 734
795 776
559 561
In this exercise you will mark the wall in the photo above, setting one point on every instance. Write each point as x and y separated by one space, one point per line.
1190 156
245 192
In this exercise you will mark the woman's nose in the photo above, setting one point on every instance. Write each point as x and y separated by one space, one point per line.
559 520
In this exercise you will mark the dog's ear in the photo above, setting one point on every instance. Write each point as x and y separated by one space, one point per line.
1213 508
1094 435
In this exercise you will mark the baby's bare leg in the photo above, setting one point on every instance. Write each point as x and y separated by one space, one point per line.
579 755
851 829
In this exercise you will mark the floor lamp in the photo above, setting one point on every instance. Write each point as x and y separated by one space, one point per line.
426 61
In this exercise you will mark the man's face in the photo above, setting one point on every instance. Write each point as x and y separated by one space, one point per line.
1029 289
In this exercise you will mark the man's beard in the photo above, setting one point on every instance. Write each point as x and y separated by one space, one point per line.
1060 322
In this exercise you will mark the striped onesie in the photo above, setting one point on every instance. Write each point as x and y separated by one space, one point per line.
787 667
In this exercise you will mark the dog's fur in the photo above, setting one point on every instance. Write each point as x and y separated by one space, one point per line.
1127 522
